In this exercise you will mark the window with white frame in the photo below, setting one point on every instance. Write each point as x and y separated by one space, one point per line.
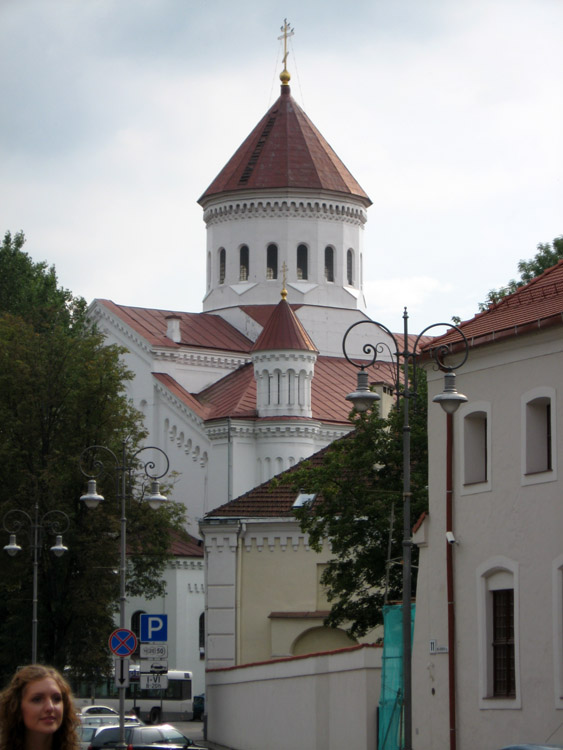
497 613
222 264
538 435
272 261
244 263
350 267
329 263
473 430
302 262
475 463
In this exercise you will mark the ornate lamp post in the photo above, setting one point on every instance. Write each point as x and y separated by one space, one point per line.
406 388
55 522
124 466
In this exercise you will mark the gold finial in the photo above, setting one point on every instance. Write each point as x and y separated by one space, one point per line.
287 31
284 272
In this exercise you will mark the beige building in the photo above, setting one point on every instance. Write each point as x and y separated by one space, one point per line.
488 643
264 596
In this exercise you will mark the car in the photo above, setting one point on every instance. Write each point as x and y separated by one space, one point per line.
105 719
198 707
156 737
98 711
85 734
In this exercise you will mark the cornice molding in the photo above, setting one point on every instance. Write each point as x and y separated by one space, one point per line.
326 210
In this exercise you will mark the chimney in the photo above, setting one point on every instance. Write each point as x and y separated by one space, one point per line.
173 328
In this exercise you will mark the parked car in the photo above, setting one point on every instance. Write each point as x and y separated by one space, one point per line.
98 711
86 733
157 737
198 707
104 719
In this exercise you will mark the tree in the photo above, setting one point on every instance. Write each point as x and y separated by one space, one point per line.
358 511
546 257
62 389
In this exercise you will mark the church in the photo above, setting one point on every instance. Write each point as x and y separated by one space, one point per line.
256 382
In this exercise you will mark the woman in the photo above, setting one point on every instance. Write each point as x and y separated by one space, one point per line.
37 712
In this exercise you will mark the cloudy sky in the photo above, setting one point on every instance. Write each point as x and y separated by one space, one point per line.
117 114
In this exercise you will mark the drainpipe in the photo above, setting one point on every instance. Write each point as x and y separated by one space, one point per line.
450 581
229 462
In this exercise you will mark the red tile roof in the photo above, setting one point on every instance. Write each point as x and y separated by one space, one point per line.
536 305
283 331
196 329
266 500
285 150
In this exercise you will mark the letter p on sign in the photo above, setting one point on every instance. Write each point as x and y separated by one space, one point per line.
154 628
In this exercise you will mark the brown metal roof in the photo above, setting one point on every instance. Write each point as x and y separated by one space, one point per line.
283 331
232 396
204 330
261 313
185 545
536 305
183 395
235 394
285 150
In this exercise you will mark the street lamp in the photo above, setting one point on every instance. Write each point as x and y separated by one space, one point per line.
124 467
406 387
55 522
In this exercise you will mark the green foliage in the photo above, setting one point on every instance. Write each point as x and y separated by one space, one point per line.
546 257
62 389
359 487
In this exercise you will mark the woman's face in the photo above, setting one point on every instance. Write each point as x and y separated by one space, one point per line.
42 706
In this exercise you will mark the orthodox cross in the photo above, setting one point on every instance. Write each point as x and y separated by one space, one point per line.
287 31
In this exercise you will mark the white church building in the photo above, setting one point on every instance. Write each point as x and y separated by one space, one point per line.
256 382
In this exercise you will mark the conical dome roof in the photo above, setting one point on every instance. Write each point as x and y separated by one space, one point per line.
284 331
285 150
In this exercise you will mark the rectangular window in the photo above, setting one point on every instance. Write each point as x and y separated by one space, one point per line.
538 436
504 684
475 447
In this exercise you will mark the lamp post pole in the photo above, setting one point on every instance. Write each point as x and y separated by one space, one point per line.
406 388
124 467
54 521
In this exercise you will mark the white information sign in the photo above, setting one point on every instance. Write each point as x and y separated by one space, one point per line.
154 651
122 672
154 681
156 666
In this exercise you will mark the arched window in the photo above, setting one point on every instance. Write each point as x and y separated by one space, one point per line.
302 264
208 270
272 261
329 263
350 268
244 267
222 263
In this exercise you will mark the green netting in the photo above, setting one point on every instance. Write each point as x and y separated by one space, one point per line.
391 701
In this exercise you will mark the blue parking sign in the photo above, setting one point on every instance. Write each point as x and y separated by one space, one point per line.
154 628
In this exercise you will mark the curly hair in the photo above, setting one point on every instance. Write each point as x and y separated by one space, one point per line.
12 729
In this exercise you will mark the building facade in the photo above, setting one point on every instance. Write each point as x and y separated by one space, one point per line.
488 641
